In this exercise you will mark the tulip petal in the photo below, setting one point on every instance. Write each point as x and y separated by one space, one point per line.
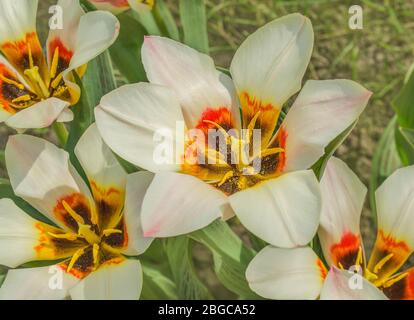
192 76
45 283
395 238
346 285
41 174
286 273
283 211
39 115
137 185
178 203
111 282
269 66
129 119
343 196
322 111
114 6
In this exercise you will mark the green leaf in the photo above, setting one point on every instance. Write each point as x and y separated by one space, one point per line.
99 79
319 166
194 21
126 51
403 104
231 256
404 147
156 285
164 18
385 161
179 253
147 20
3 274
408 134
6 191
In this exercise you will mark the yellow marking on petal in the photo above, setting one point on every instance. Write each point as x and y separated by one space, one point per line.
382 262
390 282
55 62
67 236
74 258
108 232
12 82
73 213
226 177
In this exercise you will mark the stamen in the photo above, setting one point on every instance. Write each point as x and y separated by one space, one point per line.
382 262
271 151
30 56
23 98
56 81
108 232
226 177
359 259
75 257
341 266
390 282
73 213
55 61
95 253
36 79
12 82
67 236
94 214
88 234
220 128
370 276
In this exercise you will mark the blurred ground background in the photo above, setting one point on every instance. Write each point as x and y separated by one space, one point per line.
378 56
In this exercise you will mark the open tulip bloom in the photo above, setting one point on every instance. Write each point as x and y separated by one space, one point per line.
119 6
300 274
94 228
278 200
36 89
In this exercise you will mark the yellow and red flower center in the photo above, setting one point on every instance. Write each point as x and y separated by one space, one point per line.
96 233
231 159
40 81
388 255
347 252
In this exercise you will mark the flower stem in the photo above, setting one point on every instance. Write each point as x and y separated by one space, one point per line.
61 133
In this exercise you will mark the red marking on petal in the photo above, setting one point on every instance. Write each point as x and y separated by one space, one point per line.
115 3
322 269
221 116
281 138
64 53
345 252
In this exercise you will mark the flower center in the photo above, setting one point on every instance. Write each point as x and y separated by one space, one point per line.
99 242
237 161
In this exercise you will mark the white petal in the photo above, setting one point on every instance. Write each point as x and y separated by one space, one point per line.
114 6
128 119
177 204
67 35
41 173
17 17
111 282
346 285
98 161
137 185
192 76
283 211
45 283
40 115
321 112
97 31
271 62
66 116
395 206
286 273
343 196
18 235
